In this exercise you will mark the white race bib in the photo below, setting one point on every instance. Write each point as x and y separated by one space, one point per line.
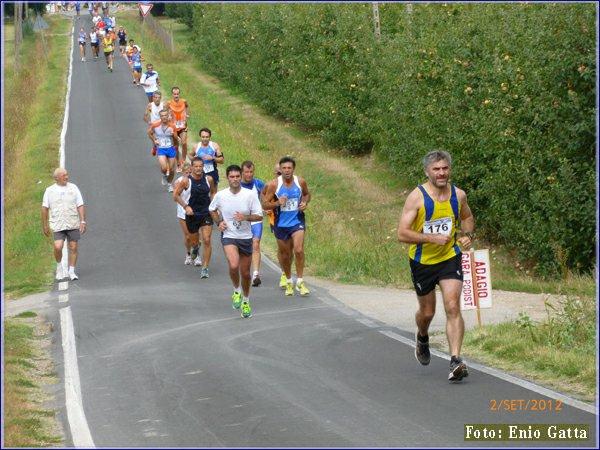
290 205
208 166
438 226
164 141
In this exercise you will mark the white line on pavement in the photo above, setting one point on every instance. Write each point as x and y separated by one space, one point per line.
504 376
63 298
80 431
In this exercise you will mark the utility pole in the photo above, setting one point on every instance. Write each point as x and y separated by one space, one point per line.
18 17
376 23
26 10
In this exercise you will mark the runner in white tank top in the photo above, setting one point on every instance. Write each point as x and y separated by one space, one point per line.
151 114
185 196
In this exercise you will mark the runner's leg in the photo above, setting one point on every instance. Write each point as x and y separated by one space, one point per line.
207 246
455 325
298 244
233 260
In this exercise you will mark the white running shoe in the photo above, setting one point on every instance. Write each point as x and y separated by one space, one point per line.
164 180
170 188
73 276
188 260
60 273
198 261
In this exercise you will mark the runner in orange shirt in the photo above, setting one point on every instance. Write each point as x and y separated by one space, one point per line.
180 113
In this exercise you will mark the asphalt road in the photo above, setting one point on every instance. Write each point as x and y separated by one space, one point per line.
165 361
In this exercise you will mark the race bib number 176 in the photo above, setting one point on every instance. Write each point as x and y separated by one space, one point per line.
438 226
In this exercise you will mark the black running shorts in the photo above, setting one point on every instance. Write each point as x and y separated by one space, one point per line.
426 276
244 246
194 223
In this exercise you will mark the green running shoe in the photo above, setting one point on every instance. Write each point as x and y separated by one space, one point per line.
289 289
246 310
302 289
236 300
283 281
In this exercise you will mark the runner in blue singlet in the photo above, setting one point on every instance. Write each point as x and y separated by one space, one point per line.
288 196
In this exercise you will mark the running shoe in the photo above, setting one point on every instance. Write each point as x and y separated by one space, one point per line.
302 289
283 281
289 289
73 276
188 259
198 261
236 300
164 180
60 273
458 370
422 349
204 272
246 310
256 281
170 187
110 68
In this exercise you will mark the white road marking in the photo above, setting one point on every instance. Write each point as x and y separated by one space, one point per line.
61 156
504 376
63 298
80 431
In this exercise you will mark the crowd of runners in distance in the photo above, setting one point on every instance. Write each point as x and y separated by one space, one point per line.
237 210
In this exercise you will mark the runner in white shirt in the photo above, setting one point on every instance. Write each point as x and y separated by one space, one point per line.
150 81
232 209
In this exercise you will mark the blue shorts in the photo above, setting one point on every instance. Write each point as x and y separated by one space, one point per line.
138 69
257 230
149 95
244 246
169 152
285 233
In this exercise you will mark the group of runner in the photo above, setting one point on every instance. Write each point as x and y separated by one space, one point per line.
237 210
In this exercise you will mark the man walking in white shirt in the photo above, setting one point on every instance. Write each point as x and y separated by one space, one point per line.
63 213
233 209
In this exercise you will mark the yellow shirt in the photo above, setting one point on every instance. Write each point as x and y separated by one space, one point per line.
436 218
107 43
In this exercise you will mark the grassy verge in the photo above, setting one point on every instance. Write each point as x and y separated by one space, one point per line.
33 112
558 352
356 201
27 423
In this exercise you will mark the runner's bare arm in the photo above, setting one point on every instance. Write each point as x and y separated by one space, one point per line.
45 226
409 213
187 110
269 199
467 221
219 158
151 136
305 194
147 113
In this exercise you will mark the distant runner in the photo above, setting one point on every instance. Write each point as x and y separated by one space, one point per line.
180 113
150 81
122 35
197 217
163 135
82 43
288 196
108 47
432 215
211 154
233 209
255 185
94 42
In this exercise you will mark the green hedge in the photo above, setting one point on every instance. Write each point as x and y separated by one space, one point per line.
508 89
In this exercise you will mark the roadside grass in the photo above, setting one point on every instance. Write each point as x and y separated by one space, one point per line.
27 422
33 112
356 202
557 352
